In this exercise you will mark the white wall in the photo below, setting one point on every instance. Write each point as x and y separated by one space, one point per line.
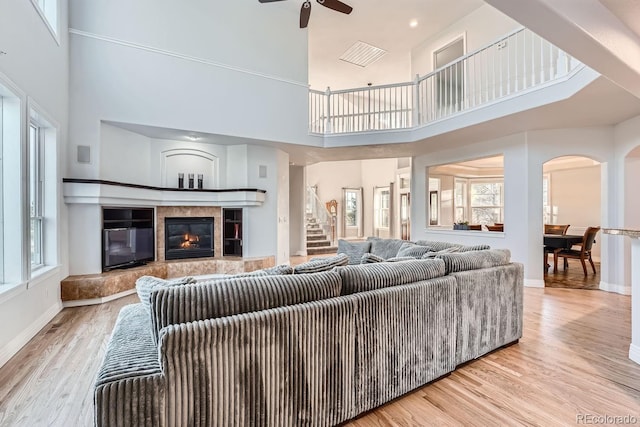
376 173
206 73
482 26
266 228
124 156
297 194
38 66
575 197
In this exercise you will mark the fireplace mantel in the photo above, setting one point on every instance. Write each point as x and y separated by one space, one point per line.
101 192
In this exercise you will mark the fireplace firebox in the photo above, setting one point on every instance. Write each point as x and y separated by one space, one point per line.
190 237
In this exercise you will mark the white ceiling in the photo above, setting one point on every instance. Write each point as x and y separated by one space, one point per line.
627 11
381 23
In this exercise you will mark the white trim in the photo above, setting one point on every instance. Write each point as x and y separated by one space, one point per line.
614 287
44 18
95 301
10 350
471 233
182 56
634 353
533 283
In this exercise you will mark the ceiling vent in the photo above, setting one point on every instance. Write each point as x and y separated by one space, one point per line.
362 54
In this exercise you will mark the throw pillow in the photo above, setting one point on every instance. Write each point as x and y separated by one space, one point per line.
147 284
412 250
474 248
370 259
355 250
401 258
437 246
324 264
278 270
385 248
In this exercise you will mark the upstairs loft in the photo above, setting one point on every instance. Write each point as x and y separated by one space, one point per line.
516 65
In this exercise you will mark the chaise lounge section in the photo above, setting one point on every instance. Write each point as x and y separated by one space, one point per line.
317 348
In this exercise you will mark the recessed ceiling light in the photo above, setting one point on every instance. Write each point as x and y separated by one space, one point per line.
193 137
413 23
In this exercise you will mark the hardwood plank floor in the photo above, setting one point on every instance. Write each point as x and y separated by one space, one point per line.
572 361
573 277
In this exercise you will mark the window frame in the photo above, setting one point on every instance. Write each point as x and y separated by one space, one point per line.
49 12
36 201
486 180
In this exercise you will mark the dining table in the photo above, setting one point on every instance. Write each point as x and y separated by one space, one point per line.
559 241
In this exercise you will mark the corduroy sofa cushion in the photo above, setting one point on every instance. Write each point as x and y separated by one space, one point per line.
365 277
321 264
474 260
355 250
439 246
146 284
220 298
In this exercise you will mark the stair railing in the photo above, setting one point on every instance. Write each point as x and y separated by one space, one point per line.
316 209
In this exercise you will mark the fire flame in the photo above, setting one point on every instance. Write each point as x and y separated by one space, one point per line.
190 240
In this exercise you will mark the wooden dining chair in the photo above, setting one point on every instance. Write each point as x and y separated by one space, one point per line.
583 254
559 229
475 227
495 227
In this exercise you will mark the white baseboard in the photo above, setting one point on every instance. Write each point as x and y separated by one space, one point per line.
533 283
8 351
614 287
94 301
634 353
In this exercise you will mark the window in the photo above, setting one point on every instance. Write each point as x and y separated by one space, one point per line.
382 201
48 11
351 208
460 199
487 201
36 194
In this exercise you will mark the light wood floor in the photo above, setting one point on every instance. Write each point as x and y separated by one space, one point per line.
571 362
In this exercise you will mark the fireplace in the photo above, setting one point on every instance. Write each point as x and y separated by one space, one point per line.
190 237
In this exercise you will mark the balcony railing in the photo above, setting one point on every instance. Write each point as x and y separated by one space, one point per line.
516 63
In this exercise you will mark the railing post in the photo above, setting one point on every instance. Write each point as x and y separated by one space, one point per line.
415 116
328 125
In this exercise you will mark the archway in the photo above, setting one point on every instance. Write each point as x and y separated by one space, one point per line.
571 204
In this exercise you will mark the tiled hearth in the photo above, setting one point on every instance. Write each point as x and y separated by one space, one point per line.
97 288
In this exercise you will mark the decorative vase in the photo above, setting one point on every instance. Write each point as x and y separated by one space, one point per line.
180 180
236 230
190 180
200 181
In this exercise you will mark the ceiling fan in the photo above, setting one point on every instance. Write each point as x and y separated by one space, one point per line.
305 11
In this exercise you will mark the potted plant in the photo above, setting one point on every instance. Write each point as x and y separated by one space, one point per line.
464 225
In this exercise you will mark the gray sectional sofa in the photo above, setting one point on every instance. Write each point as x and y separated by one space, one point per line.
313 348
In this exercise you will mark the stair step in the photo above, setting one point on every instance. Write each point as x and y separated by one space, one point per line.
322 250
314 237
318 243
313 226
314 231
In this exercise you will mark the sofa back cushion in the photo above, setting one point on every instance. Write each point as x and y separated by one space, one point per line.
473 260
321 264
147 284
439 246
226 297
365 277
355 250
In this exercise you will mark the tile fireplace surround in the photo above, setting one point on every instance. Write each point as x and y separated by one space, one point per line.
90 289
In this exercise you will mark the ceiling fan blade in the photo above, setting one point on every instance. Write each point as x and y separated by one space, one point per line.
336 5
268 1
305 13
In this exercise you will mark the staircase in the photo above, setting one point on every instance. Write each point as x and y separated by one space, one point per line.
317 240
